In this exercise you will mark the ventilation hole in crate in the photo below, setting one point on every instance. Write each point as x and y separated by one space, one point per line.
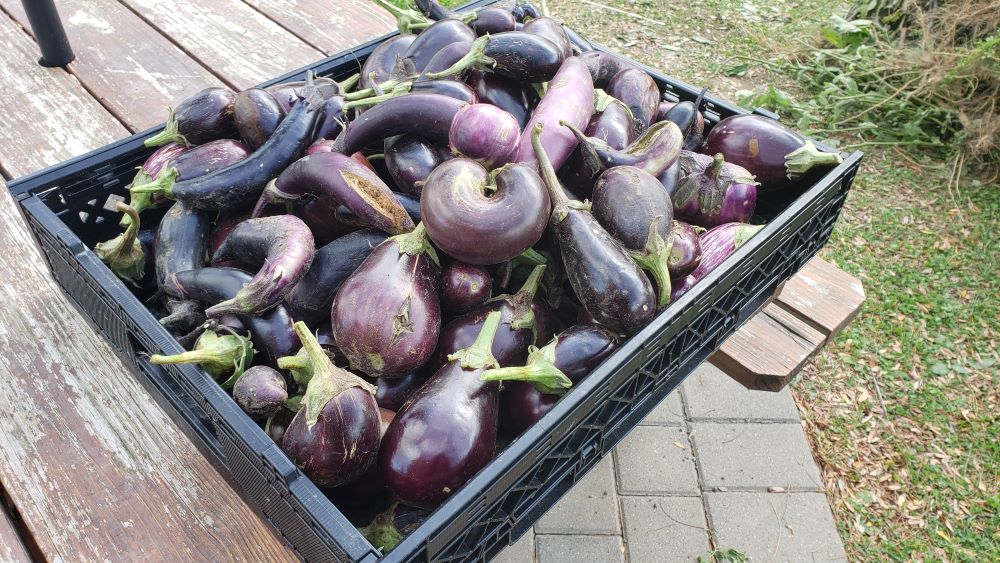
112 201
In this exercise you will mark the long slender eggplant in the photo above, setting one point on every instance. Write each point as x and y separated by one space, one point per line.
505 93
447 57
604 66
524 56
443 87
260 392
427 115
653 152
461 207
552 30
410 160
639 92
393 392
257 116
712 191
193 163
387 314
379 65
612 123
334 437
570 99
410 203
149 170
204 117
464 287
287 94
604 277
181 244
490 21
124 254
241 184
310 300
685 252
716 245
484 133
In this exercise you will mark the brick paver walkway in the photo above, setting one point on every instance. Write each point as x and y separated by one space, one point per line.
713 466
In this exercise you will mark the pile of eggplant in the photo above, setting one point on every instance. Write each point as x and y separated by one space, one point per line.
399 273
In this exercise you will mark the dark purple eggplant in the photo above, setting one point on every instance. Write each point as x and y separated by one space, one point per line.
223 354
464 287
443 87
461 208
447 57
716 245
685 251
671 177
570 99
331 120
320 216
334 437
433 9
653 152
193 163
524 11
639 92
434 39
775 155
688 118
507 94
389 528
123 254
287 94
604 277
524 56
712 191
257 116
387 314
490 21
149 170
379 65
181 244
612 123
446 432
205 116
552 30
224 225
310 300
410 160
260 392
410 203
240 185
427 115
484 133
635 209
566 359
281 246
393 392
604 66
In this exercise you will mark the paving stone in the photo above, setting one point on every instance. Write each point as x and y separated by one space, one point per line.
665 529
523 550
654 460
775 527
669 412
579 549
711 394
750 455
590 507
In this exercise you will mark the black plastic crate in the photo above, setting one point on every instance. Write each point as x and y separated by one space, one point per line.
70 207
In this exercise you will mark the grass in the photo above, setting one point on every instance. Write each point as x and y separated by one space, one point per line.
900 408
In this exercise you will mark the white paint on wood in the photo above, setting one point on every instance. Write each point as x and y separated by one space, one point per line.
331 26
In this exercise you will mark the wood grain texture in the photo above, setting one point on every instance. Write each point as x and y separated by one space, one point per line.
46 116
130 67
97 470
11 547
823 295
238 42
329 25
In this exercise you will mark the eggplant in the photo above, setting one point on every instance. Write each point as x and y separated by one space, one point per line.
393 392
310 300
433 9
387 314
639 92
332 117
653 152
604 277
671 178
205 116
570 99
282 246
224 355
446 432
193 163
321 145
612 123
522 11
410 160
123 254
490 21
566 359
410 204
334 437
257 115
604 66
774 154
444 87
685 251
379 65
447 57
240 185
434 39
334 177
635 209
462 208
149 170
484 133
287 94
181 244
260 392
688 118
505 93
427 115
552 30
523 56
320 216
716 245
464 287
224 225
712 191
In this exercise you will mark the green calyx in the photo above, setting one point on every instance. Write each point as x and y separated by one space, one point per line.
351 81
219 355
540 370
382 533
476 57
655 259
140 201
480 354
804 158
123 254
524 315
163 184
299 366
170 134
406 20
416 242
394 90
743 233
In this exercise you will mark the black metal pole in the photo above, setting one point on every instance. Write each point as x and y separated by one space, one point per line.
49 32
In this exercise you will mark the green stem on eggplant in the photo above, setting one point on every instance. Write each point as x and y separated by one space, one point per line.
349 82
655 259
170 134
405 19
398 89
559 199
591 160
480 354
476 57
327 380
535 257
416 242
466 18
299 366
539 370
228 354
139 202
163 184
123 254
804 158
523 298
382 532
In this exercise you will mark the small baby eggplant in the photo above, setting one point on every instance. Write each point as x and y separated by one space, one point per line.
464 287
149 170
393 392
492 21
688 118
712 191
181 244
484 133
410 160
461 208
260 392
205 116
335 435
282 246
387 314
224 354
654 151
685 253
123 254
552 30
257 116
716 245
505 93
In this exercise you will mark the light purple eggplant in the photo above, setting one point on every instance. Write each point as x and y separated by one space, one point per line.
717 244
639 92
484 133
612 123
712 191
149 170
193 163
685 252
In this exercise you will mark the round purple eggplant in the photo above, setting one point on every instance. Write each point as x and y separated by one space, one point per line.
490 21
387 314
712 191
205 116
461 208
716 245
410 160
334 437
484 133
464 287
257 116
393 392
507 94
552 30
685 252
260 392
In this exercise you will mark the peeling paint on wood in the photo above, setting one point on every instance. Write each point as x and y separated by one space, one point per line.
329 26
11 547
824 295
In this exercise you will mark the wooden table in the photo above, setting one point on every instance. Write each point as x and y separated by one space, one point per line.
91 467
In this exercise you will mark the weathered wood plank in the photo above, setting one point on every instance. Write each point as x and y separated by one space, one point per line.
228 36
97 470
129 66
46 115
11 547
330 26
823 295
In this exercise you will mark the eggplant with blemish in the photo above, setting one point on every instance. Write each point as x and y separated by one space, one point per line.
387 314
775 155
379 65
257 115
205 116
287 94
604 66
612 123
393 392
688 118
461 208
490 21
524 56
552 30
464 287
427 115
604 277
260 392
712 191
181 244
639 92
224 354
149 170
484 133
653 152
410 204
716 245
505 93
334 437
123 254
685 249
410 160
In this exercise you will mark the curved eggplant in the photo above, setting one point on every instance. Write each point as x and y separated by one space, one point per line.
527 57
427 115
257 115
484 133
552 30
181 244
613 124
410 160
464 287
604 66
653 152
379 65
204 117
490 21
712 191
505 93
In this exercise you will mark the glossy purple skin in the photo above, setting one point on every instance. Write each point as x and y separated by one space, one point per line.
260 392
257 115
708 195
393 392
433 9
459 215
639 92
224 224
410 160
383 60
448 56
613 126
181 241
685 254
451 88
343 443
321 217
207 158
366 308
161 156
524 56
671 178
525 11
603 67
654 151
331 120
552 30
464 287
484 133
510 345
626 200
322 145
716 245
580 348
435 38
690 121
442 437
506 93
492 20
207 116
570 98
427 115
287 94
545 321
759 145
